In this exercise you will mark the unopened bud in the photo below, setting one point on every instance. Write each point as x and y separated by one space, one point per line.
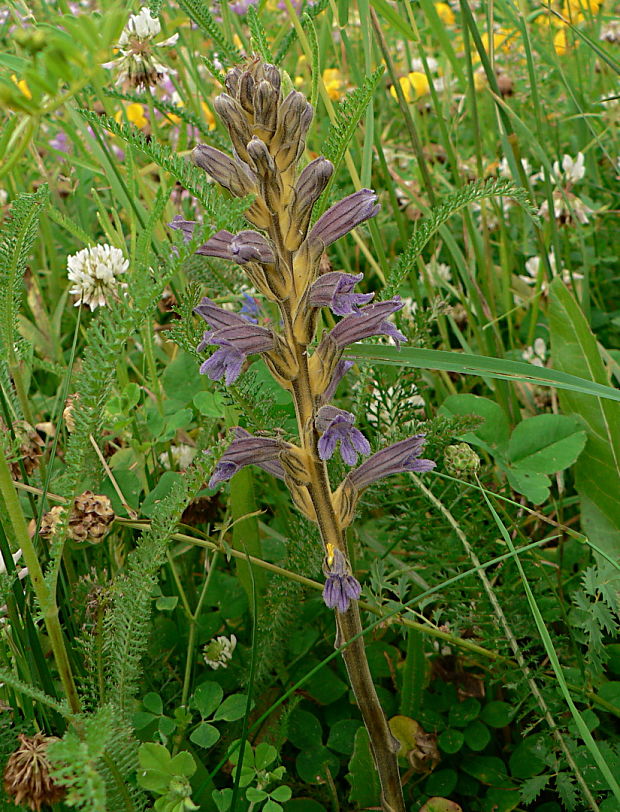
461 460
234 117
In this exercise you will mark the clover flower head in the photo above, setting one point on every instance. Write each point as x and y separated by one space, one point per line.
573 169
94 272
138 63
219 652
182 456
536 354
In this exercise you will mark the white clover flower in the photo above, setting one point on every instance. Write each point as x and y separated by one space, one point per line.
572 170
16 556
537 354
218 652
94 272
4 196
438 271
182 456
137 63
567 208
504 169
418 66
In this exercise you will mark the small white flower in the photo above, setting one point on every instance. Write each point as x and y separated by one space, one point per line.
94 272
504 169
16 556
418 66
438 271
572 170
182 456
537 354
4 196
218 652
567 207
137 63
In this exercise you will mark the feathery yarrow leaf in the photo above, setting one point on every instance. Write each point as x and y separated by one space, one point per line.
440 214
200 14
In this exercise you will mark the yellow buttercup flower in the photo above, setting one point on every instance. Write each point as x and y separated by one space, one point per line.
414 85
561 43
334 83
208 115
446 15
134 113
23 86
502 40
574 10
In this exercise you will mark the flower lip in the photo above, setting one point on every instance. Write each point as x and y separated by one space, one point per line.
368 321
394 459
344 216
337 427
340 587
246 449
335 290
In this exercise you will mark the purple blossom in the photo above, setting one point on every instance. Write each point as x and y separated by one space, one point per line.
250 308
246 246
335 290
235 344
395 459
340 587
342 367
344 216
246 449
369 321
236 337
337 427
61 142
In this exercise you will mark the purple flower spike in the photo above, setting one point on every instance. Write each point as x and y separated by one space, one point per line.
337 426
236 343
369 321
395 459
246 449
344 216
335 290
340 587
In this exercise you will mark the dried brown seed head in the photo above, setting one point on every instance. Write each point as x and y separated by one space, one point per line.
26 776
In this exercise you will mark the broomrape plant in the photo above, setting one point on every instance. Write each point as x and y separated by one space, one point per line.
282 261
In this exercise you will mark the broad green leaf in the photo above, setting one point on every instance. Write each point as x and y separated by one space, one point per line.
597 472
493 431
441 782
207 697
342 735
440 805
487 769
497 714
477 736
451 741
245 534
483 366
304 730
534 486
546 443
153 702
210 404
205 735
464 712
183 764
362 775
312 765
162 489
232 708
153 756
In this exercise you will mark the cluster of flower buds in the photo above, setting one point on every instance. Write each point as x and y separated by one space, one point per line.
268 130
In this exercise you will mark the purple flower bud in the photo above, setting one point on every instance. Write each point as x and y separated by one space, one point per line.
369 321
344 216
186 226
337 427
246 449
216 316
232 175
334 290
342 367
340 587
395 459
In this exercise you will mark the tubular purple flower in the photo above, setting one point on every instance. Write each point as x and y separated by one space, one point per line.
369 321
232 175
342 367
337 427
246 246
246 449
335 290
344 216
340 587
235 344
216 316
395 459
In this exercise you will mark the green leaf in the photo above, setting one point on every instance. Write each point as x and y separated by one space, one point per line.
282 794
531 789
362 775
272 806
206 698
464 712
312 764
477 736
385 10
210 404
232 708
163 488
342 735
497 714
481 365
441 782
264 755
440 805
245 533
255 795
183 764
152 756
597 473
494 430
546 443
153 703
451 741
304 730
525 762
166 603
222 798
487 769
205 735
534 486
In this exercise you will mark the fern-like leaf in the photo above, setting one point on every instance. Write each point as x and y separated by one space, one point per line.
348 115
439 215
222 212
200 14
312 12
259 35
16 242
